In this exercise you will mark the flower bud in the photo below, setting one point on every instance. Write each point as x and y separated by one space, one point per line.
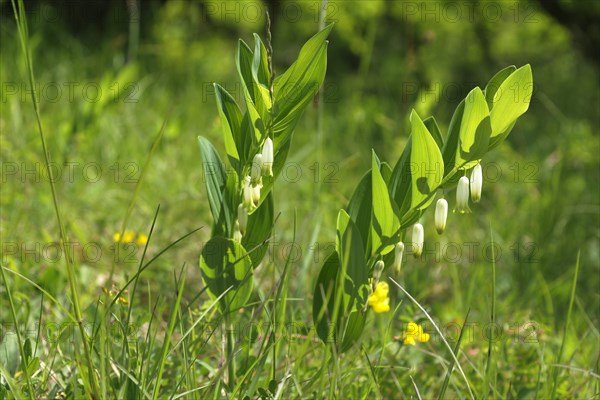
242 218
462 196
476 182
237 235
256 170
418 237
441 213
267 157
377 270
248 194
256 194
398 254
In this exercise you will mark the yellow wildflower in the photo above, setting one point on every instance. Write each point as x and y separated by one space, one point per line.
113 293
127 237
142 239
415 332
379 299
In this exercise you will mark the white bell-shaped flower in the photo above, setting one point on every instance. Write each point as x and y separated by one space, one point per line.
242 218
237 235
398 254
377 270
476 183
256 194
418 238
267 157
256 170
248 194
462 196
441 214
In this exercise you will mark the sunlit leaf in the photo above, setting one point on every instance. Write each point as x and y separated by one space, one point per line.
426 162
385 222
511 100
475 130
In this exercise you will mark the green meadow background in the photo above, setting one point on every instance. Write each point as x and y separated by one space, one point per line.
109 77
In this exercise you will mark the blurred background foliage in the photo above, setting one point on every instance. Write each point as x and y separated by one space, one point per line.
158 59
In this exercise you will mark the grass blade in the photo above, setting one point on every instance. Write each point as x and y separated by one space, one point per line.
567 323
451 366
169 333
24 361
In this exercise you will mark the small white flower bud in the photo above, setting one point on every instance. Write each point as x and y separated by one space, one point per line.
242 219
441 214
379 266
256 170
248 194
267 157
462 196
237 235
398 254
476 183
256 194
418 237
377 270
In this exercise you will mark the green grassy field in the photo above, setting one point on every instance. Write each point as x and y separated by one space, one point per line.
509 294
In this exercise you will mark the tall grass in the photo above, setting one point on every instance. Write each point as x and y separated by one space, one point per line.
173 353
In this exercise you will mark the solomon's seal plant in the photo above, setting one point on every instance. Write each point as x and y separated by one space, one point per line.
389 201
257 142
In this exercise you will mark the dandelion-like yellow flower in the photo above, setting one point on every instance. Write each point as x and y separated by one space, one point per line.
414 333
379 299
127 237
142 239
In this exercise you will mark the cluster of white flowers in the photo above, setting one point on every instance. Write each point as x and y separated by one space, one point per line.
262 165
465 187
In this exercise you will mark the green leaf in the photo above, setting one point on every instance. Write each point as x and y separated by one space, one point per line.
249 141
451 144
360 209
224 265
401 180
258 130
434 129
243 61
475 130
260 224
27 350
385 222
231 122
295 88
33 366
386 172
324 299
426 162
511 100
355 280
349 247
355 323
494 84
215 180
261 77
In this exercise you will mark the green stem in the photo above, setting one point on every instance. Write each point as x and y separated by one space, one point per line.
320 113
23 34
229 353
